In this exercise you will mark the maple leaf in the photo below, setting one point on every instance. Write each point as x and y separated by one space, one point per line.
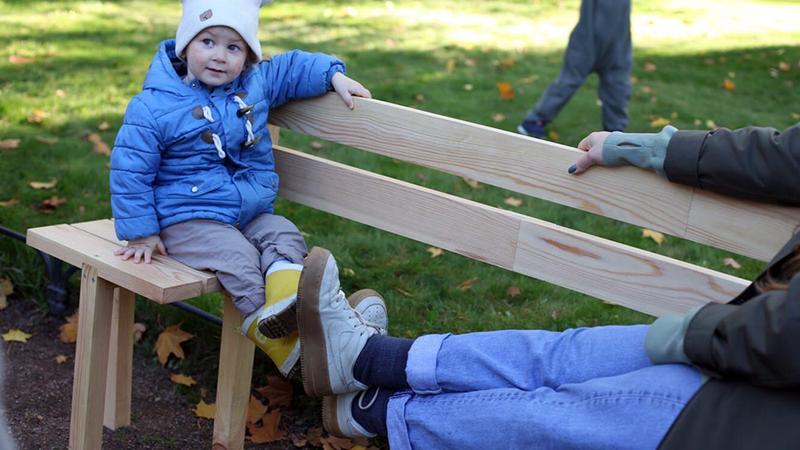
467 284
179 378
471 183
9 202
729 85
553 135
60 93
277 391
46 140
269 432
506 90
205 410
138 331
316 145
169 342
255 410
659 122
37 116
298 439
513 291
419 97
498 117
435 251
348 272
513 201
60 359
69 330
451 66
49 205
44 184
654 235
649 67
314 436
15 335
468 87
103 126
99 146
784 66
9 144
337 443
6 289
16 59
730 262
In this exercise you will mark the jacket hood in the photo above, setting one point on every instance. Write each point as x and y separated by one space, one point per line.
166 71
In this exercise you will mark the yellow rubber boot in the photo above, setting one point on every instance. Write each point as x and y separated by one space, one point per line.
284 352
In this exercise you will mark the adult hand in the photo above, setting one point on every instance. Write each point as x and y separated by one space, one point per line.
347 87
141 248
593 146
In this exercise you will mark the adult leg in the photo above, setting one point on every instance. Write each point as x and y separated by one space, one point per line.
632 410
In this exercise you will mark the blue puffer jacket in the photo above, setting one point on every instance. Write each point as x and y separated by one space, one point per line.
184 152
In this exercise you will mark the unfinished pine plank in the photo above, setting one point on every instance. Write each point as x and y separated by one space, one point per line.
533 167
117 412
104 228
613 272
157 282
91 361
233 381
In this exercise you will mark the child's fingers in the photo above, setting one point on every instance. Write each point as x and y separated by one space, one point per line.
148 253
161 249
119 251
347 99
361 91
137 257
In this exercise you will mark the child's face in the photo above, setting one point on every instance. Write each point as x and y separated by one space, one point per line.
216 56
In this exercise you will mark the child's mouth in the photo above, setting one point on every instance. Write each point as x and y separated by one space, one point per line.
216 70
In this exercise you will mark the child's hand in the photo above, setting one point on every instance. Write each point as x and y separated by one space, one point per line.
347 87
593 146
141 247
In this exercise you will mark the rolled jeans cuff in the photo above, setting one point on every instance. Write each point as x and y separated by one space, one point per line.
422 361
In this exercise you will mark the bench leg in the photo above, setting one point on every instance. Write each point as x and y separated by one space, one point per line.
233 381
91 361
120 361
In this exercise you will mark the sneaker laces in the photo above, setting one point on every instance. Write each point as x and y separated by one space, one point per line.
371 402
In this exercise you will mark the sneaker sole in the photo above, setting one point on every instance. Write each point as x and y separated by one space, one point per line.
281 324
313 361
330 421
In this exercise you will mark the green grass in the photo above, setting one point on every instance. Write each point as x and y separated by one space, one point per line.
97 53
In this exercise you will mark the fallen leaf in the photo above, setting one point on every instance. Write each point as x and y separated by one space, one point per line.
711 125
60 93
729 85
505 64
435 251
103 126
99 146
49 205
205 410
730 262
506 90
646 90
784 66
169 342
499 117
16 59
16 335
796 116
451 66
316 145
270 432
337 443
471 183
553 136
179 378
470 62
298 440
60 359
9 144
44 184
649 67
277 391
69 330
255 410
314 436
138 331
6 289
46 140
9 202
654 235
513 291
37 116
404 292
348 272
419 97
469 87
513 201
467 284
659 122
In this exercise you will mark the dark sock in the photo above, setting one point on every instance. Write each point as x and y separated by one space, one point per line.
373 419
382 362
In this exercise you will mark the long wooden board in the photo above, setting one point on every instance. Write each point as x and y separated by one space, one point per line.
539 168
608 270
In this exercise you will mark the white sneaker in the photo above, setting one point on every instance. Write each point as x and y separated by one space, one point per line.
337 415
370 306
332 334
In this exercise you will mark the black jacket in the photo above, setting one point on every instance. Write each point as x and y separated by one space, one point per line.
749 347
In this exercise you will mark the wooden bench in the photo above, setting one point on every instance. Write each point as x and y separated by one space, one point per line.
608 270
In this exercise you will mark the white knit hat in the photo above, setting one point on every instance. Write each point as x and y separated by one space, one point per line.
241 15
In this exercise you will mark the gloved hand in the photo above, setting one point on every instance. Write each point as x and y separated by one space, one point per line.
645 150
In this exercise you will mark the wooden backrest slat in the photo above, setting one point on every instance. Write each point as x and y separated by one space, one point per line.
608 270
538 168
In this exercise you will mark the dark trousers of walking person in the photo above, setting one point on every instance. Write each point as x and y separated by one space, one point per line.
601 43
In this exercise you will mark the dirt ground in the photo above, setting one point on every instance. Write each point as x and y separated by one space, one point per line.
38 392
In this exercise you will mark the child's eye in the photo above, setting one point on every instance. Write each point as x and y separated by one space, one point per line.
234 48
208 42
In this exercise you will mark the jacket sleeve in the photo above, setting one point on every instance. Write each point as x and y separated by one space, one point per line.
134 164
756 163
756 341
297 74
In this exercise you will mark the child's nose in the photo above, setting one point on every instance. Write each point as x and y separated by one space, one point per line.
219 55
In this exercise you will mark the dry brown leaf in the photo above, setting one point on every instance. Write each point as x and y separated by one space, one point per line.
649 67
513 201
270 432
784 66
470 62
277 391
169 342
468 87
419 97
205 410
659 122
471 183
314 436
451 66
316 145
553 136
6 289
337 443
16 59
498 117
16 335
103 126
505 64
506 90
60 359
44 184
513 291
255 410
404 292
467 284
298 439
710 124
46 140
60 93
730 262
435 251
179 378
99 146
37 116
9 144
9 202
69 330
729 85
654 235
138 331
49 205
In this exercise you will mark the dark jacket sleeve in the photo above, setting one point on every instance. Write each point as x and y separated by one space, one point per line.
756 342
757 163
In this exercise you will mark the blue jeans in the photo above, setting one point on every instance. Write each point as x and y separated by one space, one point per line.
581 388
